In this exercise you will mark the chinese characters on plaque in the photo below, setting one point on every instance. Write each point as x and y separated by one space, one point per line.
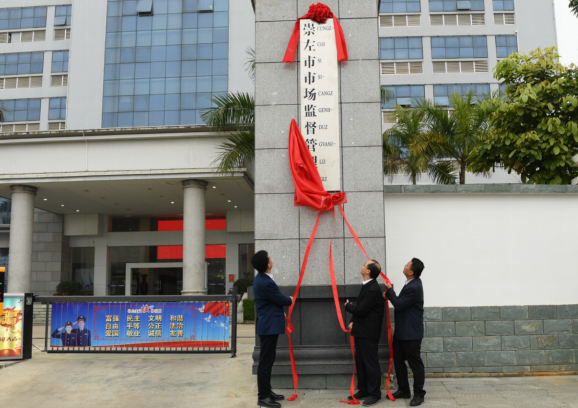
319 108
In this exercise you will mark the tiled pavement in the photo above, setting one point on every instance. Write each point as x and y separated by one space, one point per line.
558 391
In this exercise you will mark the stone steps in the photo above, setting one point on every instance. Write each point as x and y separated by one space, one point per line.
39 315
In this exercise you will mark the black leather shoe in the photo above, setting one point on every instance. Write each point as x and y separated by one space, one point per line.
358 396
417 400
400 394
269 403
276 397
369 401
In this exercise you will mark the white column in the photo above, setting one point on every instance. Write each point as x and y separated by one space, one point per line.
194 237
21 227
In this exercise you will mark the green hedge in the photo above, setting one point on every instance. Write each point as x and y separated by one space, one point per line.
69 288
249 309
242 285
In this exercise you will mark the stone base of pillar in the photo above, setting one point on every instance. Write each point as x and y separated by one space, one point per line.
193 292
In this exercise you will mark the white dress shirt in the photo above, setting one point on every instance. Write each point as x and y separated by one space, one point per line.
367 281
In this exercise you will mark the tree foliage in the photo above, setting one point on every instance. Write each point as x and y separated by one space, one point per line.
403 151
574 7
234 113
454 133
535 127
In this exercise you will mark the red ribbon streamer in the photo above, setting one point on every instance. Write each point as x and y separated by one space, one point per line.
318 12
309 192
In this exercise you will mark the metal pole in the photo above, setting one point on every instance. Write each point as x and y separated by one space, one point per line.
234 328
46 328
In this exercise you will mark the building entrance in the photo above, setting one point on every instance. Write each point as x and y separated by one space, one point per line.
159 278
157 281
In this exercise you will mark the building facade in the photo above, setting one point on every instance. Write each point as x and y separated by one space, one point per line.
108 172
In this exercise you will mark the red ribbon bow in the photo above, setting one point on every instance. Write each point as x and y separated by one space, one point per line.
318 12
309 192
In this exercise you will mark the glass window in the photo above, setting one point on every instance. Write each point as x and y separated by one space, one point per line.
63 15
400 48
459 47
455 5
5 211
60 61
506 45
152 62
206 5
503 5
442 93
30 17
57 109
83 268
399 6
22 63
403 95
19 110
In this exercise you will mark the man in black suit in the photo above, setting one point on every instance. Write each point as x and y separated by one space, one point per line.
408 332
365 328
269 302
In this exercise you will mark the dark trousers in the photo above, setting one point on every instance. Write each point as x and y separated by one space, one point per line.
266 359
369 378
409 350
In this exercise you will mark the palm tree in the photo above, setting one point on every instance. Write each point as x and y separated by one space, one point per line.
574 7
457 131
234 113
402 153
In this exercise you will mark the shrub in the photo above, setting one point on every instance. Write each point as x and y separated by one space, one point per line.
69 288
242 284
249 309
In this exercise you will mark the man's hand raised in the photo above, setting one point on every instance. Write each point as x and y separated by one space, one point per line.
346 302
291 299
388 286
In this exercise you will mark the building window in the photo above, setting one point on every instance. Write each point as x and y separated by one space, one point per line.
163 69
57 109
60 61
83 268
443 93
505 5
21 63
399 6
459 47
63 16
246 270
5 211
30 17
456 5
505 45
19 110
400 48
404 95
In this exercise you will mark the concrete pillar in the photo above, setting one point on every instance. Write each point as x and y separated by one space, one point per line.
21 227
194 237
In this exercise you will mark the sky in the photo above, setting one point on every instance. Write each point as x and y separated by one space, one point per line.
567 32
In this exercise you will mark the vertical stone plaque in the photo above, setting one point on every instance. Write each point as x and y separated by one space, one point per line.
320 99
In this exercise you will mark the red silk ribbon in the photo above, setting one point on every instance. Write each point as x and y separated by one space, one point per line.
320 13
309 192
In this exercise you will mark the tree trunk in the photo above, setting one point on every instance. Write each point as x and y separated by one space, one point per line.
413 177
463 173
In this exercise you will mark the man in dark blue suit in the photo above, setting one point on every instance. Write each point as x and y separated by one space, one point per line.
408 332
269 302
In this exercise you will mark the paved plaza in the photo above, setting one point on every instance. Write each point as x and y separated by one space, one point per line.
216 380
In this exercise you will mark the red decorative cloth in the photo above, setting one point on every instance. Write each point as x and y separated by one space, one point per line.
320 13
309 189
